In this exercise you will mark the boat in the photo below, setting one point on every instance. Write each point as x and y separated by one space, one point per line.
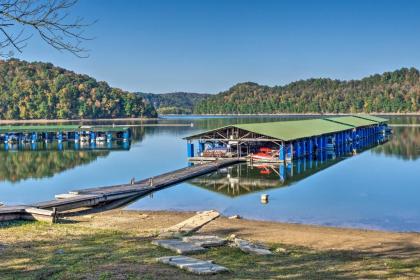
84 138
216 152
12 139
266 155
100 139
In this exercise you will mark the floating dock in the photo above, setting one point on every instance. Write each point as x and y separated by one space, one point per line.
63 133
290 139
103 196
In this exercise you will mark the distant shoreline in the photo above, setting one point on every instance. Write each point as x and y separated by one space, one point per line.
74 120
203 115
301 114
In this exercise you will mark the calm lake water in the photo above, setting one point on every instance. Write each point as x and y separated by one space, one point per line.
376 189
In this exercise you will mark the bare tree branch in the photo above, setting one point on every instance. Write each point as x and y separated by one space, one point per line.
50 20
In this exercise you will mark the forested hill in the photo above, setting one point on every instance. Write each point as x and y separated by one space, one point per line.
174 102
42 91
397 91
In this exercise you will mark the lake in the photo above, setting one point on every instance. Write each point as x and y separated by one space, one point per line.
376 189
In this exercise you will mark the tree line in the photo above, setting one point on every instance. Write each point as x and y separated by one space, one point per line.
396 92
174 102
42 91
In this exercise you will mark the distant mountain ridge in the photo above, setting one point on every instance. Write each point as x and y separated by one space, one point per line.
37 90
390 92
174 102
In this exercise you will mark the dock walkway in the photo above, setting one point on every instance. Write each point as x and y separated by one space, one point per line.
92 197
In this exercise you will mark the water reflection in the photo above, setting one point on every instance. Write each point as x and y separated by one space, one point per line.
16 166
22 161
253 176
405 145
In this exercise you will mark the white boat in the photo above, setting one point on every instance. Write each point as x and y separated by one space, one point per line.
12 139
100 139
84 138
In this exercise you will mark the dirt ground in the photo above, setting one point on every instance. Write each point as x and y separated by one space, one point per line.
316 237
117 245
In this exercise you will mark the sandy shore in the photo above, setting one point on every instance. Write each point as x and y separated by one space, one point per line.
316 237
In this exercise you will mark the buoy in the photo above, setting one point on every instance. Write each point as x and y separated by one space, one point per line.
264 198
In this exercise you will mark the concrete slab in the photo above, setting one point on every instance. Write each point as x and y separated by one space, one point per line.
194 223
179 246
205 240
193 265
249 247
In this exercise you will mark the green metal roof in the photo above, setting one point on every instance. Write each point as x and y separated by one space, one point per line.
352 121
291 130
372 118
56 128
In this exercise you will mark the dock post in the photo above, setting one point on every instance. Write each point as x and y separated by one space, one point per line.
200 147
60 137
126 135
311 146
282 172
321 142
92 137
6 138
282 156
298 166
289 152
190 149
34 137
298 149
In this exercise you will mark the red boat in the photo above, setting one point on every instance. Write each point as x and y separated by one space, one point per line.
266 155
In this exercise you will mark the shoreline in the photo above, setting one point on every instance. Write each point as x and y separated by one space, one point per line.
313 236
160 117
302 114
118 245
76 120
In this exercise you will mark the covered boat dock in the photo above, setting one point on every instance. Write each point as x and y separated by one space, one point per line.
287 140
76 133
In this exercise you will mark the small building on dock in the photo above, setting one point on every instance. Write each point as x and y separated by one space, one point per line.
76 133
286 140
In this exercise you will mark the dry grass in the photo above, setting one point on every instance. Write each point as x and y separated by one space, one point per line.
95 248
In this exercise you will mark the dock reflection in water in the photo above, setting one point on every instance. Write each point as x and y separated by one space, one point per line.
59 146
248 177
22 161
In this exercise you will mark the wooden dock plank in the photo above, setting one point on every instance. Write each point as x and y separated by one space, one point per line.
105 195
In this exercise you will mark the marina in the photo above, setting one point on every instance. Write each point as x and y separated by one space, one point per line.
324 183
278 142
297 140
33 134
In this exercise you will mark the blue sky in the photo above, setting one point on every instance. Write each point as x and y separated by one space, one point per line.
208 46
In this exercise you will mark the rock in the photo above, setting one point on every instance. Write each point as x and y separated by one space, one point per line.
179 246
205 240
252 248
231 237
280 250
234 217
193 265
59 252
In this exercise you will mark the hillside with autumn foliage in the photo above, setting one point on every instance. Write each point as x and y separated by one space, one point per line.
42 91
390 92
